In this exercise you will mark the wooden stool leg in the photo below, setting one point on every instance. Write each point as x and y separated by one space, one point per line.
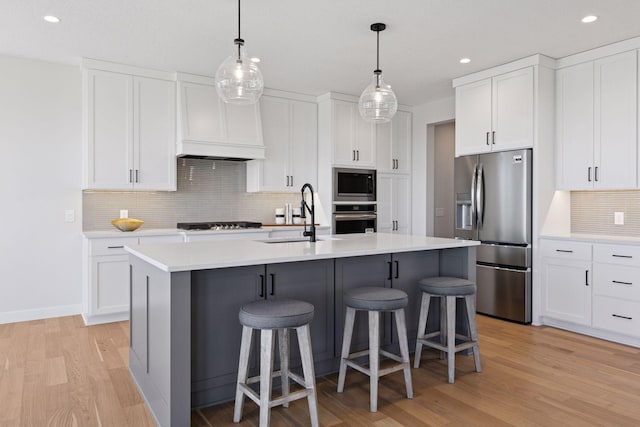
404 350
243 368
346 346
266 372
470 302
306 353
451 336
283 344
422 326
374 358
443 324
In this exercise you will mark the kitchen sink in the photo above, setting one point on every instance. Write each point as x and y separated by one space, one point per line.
294 239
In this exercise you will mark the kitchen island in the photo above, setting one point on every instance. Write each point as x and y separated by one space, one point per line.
185 334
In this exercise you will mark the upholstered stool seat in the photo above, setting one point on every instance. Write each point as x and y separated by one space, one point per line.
269 316
380 299
374 301
276 314
448 289
447 286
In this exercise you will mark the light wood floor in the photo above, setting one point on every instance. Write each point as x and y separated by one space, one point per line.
57 372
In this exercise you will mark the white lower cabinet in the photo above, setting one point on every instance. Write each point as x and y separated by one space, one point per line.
566 293
106 292
616 290
592 288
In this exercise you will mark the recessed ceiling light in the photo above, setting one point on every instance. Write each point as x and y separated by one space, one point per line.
589 18
51 18
255 60
465 60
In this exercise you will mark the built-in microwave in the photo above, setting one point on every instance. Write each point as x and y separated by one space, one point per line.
354 185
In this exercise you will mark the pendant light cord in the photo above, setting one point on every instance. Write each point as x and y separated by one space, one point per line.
239 40
377 71
377 49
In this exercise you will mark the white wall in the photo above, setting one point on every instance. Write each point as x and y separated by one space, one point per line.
425 116
443 193
40 133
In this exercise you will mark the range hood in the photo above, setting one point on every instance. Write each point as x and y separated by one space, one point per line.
219 151
208 128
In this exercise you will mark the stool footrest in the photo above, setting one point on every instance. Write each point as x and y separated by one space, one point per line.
250 393
298 394
367 371
457 348
256 379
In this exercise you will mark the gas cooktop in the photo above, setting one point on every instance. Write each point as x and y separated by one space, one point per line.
218 225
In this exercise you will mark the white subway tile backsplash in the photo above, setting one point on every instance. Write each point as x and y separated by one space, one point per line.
208 190
593 212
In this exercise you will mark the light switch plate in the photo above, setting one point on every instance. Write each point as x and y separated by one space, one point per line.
124 213
618 218
439 211
69 215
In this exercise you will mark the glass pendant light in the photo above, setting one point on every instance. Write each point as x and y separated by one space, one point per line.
238 79
378 103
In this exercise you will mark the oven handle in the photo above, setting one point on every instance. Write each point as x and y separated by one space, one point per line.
354 216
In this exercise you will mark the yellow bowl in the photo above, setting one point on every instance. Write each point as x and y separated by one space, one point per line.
127 224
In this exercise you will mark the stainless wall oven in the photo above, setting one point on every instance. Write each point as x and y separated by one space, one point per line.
354 185
354 218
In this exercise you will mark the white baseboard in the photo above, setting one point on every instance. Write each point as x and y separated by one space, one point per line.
593 332
104 318
40 313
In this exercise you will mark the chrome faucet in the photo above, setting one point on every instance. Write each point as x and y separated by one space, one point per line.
304 206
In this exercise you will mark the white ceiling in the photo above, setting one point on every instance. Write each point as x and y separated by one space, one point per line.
316 46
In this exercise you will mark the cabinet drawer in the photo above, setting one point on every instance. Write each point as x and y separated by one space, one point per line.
565 250
113 246
617 254
616 281
616 315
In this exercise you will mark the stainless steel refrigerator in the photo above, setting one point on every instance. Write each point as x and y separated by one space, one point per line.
493 205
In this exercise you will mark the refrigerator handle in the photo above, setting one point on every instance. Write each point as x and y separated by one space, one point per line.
474 179
480 196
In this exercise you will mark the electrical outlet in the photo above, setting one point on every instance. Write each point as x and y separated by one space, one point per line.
124 213
69 215
618 218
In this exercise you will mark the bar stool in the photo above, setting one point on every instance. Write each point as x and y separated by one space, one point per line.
268 316
448 289
374 301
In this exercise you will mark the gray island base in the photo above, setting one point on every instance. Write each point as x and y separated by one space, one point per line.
185 298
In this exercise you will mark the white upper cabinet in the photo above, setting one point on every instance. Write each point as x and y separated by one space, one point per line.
207 126
574 126
393 140
129 125
394 203
596 124
290 134
615 148
154 115
354 140
495 114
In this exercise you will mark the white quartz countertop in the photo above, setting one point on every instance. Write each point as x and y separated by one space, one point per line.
97 234
594 238
176 257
